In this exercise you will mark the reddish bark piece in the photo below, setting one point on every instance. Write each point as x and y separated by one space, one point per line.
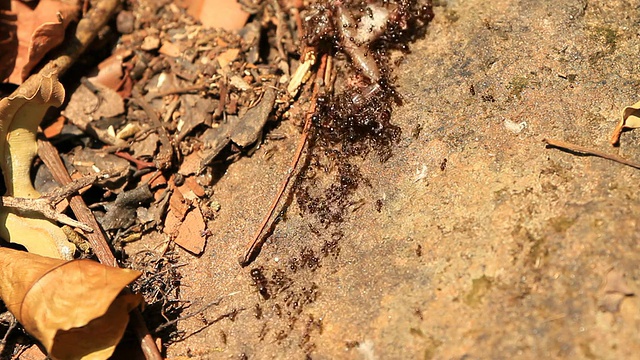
225 14
170 49
171 223
178 204
33 353
8 43
55 128
190 234
155 180
110 72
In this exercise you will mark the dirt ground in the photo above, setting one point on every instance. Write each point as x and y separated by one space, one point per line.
472 240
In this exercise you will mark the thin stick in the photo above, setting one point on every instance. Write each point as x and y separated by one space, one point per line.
563 145
51 158
254 245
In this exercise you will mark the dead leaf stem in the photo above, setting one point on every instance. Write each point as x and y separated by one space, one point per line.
254 245
564 145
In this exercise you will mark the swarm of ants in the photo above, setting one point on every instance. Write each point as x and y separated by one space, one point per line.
361 36
356 118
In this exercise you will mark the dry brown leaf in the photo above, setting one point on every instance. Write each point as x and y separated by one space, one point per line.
8 43
74 308
20 116
630 120
39 30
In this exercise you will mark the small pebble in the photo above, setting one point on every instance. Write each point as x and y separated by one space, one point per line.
125 22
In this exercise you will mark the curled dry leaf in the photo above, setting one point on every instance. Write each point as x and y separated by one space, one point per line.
20 115
74 308
38 31
630 120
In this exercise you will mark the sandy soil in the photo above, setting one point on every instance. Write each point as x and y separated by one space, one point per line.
499 251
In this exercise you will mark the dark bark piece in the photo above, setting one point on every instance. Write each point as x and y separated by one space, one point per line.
249 128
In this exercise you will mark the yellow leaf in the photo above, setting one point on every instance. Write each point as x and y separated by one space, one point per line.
20 115
74 308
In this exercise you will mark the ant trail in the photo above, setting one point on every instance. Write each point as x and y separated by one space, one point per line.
255 244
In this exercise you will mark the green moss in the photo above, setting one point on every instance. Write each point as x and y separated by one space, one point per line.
479 288
609 36
517 85
561 223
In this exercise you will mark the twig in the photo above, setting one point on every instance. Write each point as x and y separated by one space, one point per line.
563 145
49 155
43 206
184 90
254 245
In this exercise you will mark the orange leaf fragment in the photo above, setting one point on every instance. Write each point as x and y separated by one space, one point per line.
190 234
74 308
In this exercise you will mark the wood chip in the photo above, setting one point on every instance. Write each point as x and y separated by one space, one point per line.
171 223
190 164
55 128
178 204
170 49
227 57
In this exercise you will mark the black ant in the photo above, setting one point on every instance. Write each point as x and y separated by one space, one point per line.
260 282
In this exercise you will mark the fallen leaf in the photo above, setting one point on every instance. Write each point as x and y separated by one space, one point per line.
39 31
74 308
630 120
20 115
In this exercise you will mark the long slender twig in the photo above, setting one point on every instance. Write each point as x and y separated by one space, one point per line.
564 145
254 245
